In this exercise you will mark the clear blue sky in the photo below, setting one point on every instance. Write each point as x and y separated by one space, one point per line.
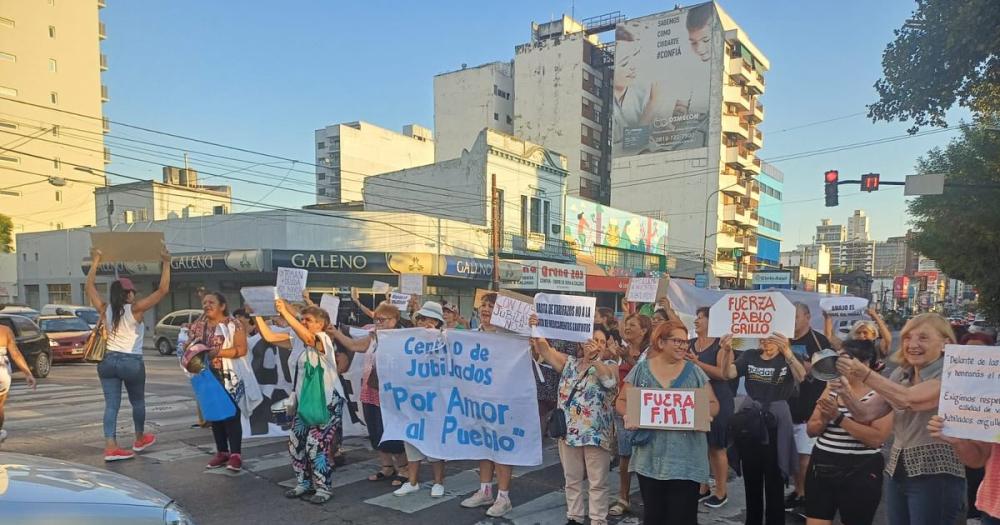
264 75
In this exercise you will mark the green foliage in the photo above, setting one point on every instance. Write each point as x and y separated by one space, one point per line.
947 53
961 228
6 234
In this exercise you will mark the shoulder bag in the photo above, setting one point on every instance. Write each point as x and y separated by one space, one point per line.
556 427
97 343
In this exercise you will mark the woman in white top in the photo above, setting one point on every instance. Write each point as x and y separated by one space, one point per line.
9 352
122 316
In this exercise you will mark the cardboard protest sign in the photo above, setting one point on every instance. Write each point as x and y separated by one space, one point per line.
752 314
565 317
844 307
260 299
331 304
670 409
460 395
291 283
399 300
271 369
970 402
411 283
380 287
128 246
646 289
512 312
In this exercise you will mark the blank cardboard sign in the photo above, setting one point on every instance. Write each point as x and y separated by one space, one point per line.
128 246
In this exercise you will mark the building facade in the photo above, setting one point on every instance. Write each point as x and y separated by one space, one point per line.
772 184
348 153
815 256
178 196
858 228
890 257
468 100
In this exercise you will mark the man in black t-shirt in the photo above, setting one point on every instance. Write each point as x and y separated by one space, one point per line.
806 343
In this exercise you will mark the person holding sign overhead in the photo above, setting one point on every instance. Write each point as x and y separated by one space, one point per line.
762 430
586 396
122 320
926 482
671 464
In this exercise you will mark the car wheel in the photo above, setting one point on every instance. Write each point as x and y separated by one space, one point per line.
42 365
164 347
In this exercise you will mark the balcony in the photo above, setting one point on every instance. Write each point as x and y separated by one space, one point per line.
753 218
730 184
104 62
105 125
755 113
727 239
104 93
733 126
102 31
755 81
550 247
101 4
756 139
739 157
107 155
753 190
737 95
754 166
751 244
740 70
736 214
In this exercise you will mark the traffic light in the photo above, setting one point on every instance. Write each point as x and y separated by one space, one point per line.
830 178
869 182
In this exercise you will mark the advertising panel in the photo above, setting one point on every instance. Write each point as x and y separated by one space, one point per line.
590 224
662 81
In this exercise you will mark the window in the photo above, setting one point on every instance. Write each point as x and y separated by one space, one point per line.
8 92
10 159
54 97
509 120
58 195
31 295
496 116
6 22
321 176
219 210
129 216
8 125
52 31
60 294
7 57
55 130
322 191
25 327
59 225
53 66
320 145
534 215
56 163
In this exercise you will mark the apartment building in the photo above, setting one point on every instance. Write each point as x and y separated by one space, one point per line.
890 257
178 196
772 182
349 152
469 100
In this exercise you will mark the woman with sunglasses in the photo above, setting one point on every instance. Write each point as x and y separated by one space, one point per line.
390 453
671 464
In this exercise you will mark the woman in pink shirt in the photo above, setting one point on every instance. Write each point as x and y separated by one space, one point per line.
977 454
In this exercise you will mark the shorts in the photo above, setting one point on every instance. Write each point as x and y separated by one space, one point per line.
803 442
4 378
414 454
624 437
850 485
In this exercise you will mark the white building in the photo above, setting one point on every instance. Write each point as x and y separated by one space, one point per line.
468 100
815 256
352 151
858 228
178 196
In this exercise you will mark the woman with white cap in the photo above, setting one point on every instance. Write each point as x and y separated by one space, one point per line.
122 363
452 319
430 316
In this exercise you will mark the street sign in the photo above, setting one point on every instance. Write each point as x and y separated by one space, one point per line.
929 184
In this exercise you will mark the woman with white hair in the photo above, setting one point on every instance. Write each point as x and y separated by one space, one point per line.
863 330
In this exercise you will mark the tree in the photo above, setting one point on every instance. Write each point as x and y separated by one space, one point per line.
6 234
948 52
960 229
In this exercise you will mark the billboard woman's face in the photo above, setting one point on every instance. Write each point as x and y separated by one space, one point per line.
701 42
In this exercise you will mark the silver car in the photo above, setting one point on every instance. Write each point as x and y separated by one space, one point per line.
35 490
165 332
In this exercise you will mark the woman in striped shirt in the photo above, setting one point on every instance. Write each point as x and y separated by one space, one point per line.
845 469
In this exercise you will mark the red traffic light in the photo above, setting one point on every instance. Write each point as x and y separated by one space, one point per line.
869 182
831 176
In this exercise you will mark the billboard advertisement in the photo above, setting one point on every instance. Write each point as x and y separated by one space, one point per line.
590 224
900 287
662 81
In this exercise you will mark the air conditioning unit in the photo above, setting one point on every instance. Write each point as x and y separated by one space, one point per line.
535 242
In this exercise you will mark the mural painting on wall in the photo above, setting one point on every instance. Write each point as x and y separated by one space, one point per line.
590 223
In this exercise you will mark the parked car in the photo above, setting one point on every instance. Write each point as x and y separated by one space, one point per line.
67 335
87 313
165 332
20 309
39 490
31 342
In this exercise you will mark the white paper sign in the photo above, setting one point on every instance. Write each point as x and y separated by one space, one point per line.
380 287
564 317
291 283
844 307
411 283
642 290
460 394
674 409
399 300
512 314
752 315
260 299
970 401
331 304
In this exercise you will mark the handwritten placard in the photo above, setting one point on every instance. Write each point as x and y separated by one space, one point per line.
646 289
291 283
399 300
380 287
970 400
565 317
844 307
411 284
670 409
511 312
260 299
752 314
331 304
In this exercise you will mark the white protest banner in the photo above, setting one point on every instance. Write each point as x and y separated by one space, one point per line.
331 304
752 314
511 312
380 287
460 395
411 283
291 283
670 409
844 307
646 289
260 299
564 317
969 402
399 300
271 369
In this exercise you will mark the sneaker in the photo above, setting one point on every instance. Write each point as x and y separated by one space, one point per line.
218 460
144 442
714 502
479 499
793 501
117 454
235 463
573 522
3 435
320 497
437 490
705 496
406 488
500 507
298 491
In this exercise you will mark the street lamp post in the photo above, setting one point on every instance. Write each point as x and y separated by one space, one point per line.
704 245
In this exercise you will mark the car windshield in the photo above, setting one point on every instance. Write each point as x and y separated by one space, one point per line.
88 316
64 325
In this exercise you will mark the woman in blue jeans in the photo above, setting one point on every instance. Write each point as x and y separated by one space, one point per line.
122 317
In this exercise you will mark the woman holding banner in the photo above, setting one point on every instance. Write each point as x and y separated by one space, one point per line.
638 329
671 464
976 455
926 482
586 397
875 330
762 430
121 318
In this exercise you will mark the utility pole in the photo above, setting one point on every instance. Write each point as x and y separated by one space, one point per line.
495 230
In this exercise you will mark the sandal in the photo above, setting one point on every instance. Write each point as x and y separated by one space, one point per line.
619 508
400 478
297 492
381 474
